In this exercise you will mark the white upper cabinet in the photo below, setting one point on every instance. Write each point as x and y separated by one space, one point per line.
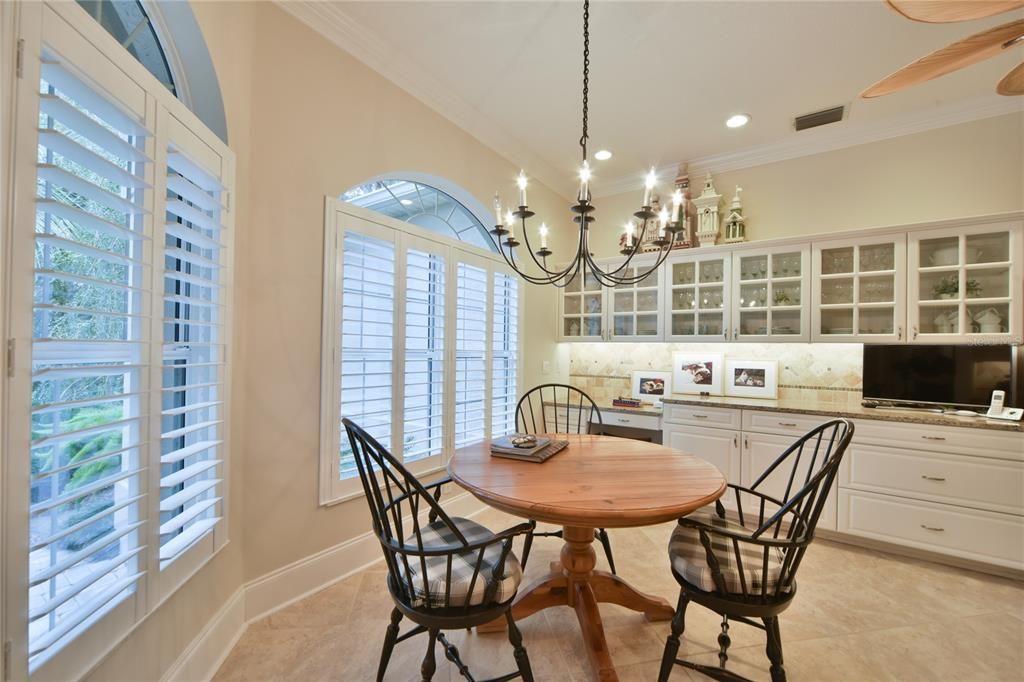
581 310
697 296
964 284
859 289
636 308
771 294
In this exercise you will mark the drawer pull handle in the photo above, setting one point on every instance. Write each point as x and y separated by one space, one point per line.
787 423
623 421
932 528
933 478
933 437
700 416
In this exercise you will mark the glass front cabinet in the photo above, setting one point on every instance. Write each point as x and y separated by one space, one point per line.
581 310
628 312
771 294
697 297
859 289
963 283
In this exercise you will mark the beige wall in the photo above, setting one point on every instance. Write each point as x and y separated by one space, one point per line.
960 171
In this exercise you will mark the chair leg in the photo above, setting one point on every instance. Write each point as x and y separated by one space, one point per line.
389 643
668 659
527 544
518 650
602 535
723 643
774 649
429 664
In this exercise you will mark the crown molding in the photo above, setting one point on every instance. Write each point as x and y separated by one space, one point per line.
330 21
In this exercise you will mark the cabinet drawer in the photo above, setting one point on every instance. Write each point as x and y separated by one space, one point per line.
698 415
634 421
784 423
997 485
562 420
967 533
947 439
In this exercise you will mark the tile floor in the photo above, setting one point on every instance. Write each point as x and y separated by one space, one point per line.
859 615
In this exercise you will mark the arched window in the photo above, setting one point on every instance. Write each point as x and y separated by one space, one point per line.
425 205
165 38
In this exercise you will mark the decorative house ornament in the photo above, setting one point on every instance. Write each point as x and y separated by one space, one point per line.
707 213
736 224
685 238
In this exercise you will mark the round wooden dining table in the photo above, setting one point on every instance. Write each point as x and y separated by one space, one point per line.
595 482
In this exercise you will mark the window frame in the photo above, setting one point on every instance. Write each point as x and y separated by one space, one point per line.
86 49
341 217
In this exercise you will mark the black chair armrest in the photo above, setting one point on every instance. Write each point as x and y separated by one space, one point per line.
436 485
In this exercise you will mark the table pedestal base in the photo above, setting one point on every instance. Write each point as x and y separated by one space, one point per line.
574 582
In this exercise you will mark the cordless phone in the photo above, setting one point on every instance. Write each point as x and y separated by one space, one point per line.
997 411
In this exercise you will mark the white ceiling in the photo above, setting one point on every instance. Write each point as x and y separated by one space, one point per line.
664 76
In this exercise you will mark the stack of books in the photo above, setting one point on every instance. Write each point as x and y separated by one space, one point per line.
627 402
540 450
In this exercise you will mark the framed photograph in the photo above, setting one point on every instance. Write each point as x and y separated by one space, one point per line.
651 386
752 379
697 373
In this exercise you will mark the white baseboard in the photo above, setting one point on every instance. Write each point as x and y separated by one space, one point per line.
279 588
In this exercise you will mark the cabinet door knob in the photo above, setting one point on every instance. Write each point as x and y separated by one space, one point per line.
933 478
915 332
934 528
899 333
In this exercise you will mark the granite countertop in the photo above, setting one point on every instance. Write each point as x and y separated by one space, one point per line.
830 409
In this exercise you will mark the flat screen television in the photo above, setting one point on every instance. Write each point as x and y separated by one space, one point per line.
938 375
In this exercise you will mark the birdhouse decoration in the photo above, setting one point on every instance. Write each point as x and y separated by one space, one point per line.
685 238
736 224
707 213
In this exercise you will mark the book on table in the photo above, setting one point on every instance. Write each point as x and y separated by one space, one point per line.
537 451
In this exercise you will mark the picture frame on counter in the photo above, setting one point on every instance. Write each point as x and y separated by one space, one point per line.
651 386
752 379
697 373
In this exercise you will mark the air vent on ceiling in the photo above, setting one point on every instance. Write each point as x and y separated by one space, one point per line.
818 118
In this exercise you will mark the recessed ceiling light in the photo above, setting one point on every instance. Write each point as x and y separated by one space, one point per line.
406 202
737 121
602 155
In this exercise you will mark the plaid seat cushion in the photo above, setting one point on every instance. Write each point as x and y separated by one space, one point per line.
433 592
689 558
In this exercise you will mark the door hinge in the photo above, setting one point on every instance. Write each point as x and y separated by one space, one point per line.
7 660
10 357
19 59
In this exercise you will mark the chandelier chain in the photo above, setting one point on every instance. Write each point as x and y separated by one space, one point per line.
586 74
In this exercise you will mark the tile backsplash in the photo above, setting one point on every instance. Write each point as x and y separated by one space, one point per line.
823 372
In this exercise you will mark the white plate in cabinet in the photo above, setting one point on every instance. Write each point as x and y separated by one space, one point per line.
993 484
718 446
949 439
633 421
717 417
794 425
757 454
967 533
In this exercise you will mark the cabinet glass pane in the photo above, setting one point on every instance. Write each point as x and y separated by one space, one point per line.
571 327
837 322
988 248
988 282
837 290
753 295
989 319
753 267
934 286
683 300
592 303
876 257
837 261
647 325
754 323
574 283
875 321
682 273
712 271
683 324
943 251
592 326
623 301
647 300
591 282
623 325
710 324
786 265
877 289
787 293
710 298
572 304
943 319
785 322
627 273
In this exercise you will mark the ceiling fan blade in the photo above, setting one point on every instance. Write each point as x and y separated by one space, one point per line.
1013 82
943 11
960 54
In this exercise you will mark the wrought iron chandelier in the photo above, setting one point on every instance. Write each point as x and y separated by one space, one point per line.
667 223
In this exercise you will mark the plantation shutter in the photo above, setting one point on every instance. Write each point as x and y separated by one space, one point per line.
423 413
367 339
470 354
504 354
89 351
192 381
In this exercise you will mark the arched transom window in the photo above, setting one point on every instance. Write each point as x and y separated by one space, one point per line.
423 205
128 22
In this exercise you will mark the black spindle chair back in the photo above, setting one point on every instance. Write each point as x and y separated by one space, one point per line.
558 408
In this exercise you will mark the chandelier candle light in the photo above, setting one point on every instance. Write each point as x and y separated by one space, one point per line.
669 223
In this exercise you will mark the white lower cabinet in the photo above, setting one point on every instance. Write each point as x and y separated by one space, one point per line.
759 451
721 447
